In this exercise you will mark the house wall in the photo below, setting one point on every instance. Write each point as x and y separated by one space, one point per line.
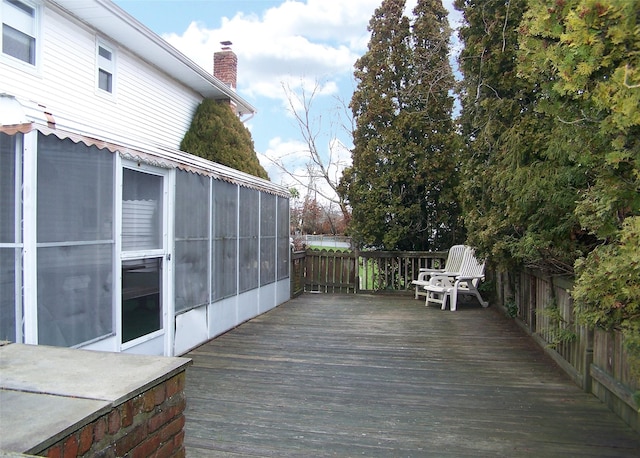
146 105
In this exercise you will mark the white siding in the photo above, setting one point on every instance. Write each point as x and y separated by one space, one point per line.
147 105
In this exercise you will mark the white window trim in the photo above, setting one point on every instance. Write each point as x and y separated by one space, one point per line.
13 61
109 66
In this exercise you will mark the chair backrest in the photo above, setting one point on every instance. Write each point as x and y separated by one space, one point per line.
471 267
454 258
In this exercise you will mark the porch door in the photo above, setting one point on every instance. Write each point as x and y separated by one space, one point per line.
144 254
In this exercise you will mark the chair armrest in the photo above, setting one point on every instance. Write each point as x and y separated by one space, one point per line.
440 280
426 273
431 272
473 280
469 277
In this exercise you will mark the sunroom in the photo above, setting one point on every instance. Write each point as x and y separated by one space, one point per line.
111 246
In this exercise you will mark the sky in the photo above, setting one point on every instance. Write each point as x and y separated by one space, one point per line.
286 49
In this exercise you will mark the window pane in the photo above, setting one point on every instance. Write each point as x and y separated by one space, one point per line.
102 52
75 287
249 212
283 238
18 45
10 258
192 273
248 264
224 240
7 188
105 80
192 240
22 8
225 212
141 304
224 268
7 294
192 205
75 191
267 238
141 211
249 231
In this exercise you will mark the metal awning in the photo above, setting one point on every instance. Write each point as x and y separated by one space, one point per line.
155 155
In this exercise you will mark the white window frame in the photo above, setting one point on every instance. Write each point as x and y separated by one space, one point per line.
106 65
11 17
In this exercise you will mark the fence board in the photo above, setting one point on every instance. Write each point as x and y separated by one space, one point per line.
330 271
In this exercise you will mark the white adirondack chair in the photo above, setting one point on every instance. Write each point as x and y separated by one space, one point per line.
442 287
451 269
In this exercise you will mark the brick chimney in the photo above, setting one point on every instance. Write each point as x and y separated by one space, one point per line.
225 65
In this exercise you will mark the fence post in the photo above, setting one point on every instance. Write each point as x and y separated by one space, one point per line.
356 253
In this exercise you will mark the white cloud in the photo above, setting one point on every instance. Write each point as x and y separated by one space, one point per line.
298 44
315 40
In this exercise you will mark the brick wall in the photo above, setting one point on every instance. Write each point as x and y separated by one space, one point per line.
150 424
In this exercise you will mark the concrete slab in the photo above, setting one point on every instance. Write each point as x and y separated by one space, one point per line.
28 420
87 374
48 392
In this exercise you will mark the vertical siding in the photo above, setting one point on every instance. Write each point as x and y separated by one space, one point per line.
66 86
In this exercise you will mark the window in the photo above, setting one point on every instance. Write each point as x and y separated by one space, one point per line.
248 244
141 299
282 222
191 264
75 233
10 236
105 58
19 30
141 211
224 240
267 238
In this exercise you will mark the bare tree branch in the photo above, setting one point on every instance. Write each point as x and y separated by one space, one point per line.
300 105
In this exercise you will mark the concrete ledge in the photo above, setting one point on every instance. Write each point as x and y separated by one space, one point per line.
48 393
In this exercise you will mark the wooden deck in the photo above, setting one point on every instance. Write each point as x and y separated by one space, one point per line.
338 375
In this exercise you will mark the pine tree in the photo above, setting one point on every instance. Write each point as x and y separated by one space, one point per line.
217 134
400 186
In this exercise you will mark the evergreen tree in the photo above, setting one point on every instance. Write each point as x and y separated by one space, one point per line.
400 186
584 55
217 134
520 183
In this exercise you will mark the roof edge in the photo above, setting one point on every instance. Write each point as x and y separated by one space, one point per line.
201 79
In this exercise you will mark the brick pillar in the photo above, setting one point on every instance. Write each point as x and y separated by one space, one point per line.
225 65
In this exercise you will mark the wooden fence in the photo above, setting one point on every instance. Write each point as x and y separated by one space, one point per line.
340 271
596 360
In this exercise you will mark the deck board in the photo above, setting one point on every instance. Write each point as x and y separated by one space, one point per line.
358 375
